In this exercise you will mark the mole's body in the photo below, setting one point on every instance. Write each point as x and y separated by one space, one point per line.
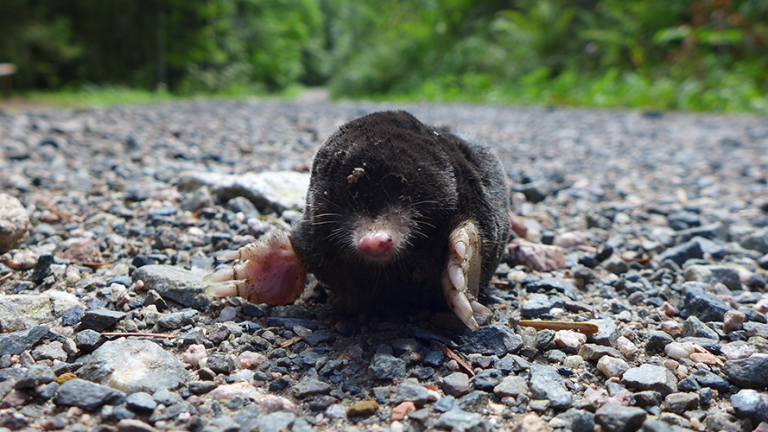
398 214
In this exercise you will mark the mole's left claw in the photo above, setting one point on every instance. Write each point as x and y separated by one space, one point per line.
461 276
271 272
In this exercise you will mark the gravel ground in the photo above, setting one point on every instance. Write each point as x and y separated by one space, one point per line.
109 219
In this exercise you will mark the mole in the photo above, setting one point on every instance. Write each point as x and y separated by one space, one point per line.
398 215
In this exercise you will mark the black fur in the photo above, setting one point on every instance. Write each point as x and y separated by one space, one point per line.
437 179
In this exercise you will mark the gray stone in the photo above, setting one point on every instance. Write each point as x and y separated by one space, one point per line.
222 363
693 327
679 403
86 395
582 421
487 379
456 384
182 286
705 306
141 401
553 284
20 341
650 377
512 386
546 383
750 372
35 376
310 387
14 223
201 387
411 390
475 401
50 351
88 340
21 311
100 319
709 379
615 418
458 420
647 398
387 367
722 422
176 320
750 404
713 248
269 191
492 340
652 425
657 340
756 241
133 365
728 276
275 422
593 352
682 253
535 306
615 264
607 334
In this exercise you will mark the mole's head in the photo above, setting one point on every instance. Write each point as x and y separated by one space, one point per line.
380 189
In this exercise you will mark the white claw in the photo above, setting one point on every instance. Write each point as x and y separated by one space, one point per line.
462 308
222 290
456 275
461 249
228 255
220 276
480 309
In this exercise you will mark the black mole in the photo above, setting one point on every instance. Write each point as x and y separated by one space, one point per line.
399 214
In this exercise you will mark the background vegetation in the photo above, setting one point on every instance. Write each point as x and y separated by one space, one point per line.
654 54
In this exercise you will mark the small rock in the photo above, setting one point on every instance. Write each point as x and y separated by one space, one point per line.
650 377
512 386
546 383
733 321
35 376
364 408
14 223
411 390
615 418
275 422
459 420
310 386
751 372
492 340
701 304
133 425
173 283
100 319
679 403
134 365
141 401
570 339
86 395
531 422
612 367
679 350
387 367
456 384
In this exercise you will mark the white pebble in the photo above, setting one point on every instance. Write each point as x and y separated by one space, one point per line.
570 339
611 366
194 355
678 350
626 347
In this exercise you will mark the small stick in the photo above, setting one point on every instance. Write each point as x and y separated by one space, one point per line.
6 278
131 334
92 212
61 214
92 264
581 327
289 342
498 283
453 356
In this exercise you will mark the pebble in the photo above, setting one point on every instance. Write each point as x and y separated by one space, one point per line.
614 418
612 367
456 384
363 408
132 365
87 395
14 223
650 377
750 372
546 383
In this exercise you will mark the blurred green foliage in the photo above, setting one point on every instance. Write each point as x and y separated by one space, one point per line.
659 54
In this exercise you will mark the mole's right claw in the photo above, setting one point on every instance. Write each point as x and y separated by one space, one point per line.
271 273
461 276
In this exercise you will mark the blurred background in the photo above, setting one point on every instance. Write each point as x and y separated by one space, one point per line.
693 55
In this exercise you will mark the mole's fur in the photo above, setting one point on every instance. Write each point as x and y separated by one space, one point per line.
388 171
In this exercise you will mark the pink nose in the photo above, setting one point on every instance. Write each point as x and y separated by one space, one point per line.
376 245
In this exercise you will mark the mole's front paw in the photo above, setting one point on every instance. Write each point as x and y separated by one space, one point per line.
272 273
461 276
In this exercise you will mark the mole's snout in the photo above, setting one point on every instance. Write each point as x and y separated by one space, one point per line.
377 245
